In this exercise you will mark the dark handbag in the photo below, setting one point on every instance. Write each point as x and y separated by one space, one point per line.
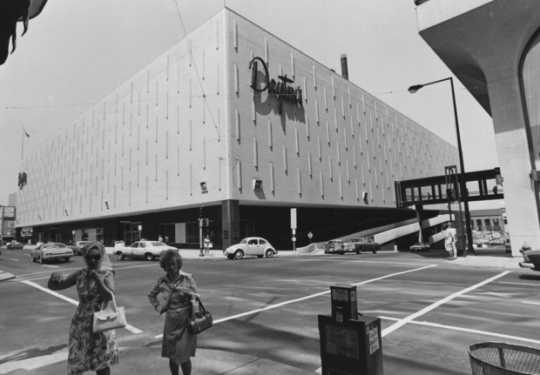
200 320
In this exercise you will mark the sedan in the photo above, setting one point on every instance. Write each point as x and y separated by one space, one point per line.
12 245
257 246
148 250
51 250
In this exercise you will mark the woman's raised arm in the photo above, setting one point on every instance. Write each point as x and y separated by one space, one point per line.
58 281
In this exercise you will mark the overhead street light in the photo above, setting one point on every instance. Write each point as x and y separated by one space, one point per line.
462 186
415 88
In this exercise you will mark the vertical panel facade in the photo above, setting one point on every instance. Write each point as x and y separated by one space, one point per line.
192 116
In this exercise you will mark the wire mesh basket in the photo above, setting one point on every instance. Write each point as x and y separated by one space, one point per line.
493 358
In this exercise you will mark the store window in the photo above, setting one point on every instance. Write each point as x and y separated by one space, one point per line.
479 224
496 225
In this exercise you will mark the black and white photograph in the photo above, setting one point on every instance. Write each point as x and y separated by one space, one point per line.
287 187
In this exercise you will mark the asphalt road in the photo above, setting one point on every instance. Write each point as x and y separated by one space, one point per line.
431 312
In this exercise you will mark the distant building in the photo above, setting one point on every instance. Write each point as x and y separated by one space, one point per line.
236 126
7 222
12 199
488 220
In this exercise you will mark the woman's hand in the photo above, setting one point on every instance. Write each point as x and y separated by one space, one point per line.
160 309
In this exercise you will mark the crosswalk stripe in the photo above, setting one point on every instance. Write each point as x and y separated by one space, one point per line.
129 327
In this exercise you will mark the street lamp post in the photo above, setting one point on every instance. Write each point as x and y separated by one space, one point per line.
462 185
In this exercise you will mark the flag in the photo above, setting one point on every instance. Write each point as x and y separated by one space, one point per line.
26 133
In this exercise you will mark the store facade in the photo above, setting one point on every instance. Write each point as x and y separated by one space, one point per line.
235 126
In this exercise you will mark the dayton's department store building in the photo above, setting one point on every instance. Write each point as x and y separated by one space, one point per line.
214 129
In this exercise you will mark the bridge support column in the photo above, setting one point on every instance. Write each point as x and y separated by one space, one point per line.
420 216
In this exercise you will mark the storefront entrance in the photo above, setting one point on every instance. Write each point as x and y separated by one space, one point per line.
131 231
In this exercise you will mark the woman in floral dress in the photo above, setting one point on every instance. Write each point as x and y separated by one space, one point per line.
174 294
89 351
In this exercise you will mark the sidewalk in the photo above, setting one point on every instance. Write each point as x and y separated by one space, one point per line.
218 253
489 261
142 355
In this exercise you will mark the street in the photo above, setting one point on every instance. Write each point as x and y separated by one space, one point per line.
265 312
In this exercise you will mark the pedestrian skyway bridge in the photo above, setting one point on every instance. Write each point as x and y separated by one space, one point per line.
480 186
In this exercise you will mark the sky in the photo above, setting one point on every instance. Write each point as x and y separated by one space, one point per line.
75 53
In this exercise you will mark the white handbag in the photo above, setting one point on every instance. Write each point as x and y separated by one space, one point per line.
110 317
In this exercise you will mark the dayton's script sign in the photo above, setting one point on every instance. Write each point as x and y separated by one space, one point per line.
280 89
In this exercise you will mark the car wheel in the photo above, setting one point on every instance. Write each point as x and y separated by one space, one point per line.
149 257
238 254
269 253
120 255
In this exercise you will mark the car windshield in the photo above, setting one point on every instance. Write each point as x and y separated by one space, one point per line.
54 244
157 243
244 240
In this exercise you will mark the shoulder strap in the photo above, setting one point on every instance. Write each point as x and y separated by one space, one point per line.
201 306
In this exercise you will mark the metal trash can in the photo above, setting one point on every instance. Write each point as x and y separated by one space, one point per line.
493 358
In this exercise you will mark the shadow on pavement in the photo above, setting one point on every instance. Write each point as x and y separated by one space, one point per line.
32 352
528 276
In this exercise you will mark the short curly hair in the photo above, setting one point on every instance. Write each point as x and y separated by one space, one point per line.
168 256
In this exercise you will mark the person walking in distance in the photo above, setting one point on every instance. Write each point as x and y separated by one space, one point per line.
207 245
175 295
89 351
450 240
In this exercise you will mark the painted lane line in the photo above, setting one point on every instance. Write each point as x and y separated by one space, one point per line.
50 266
47 272
129 327
311 296
441 302
389 263
531 303
466 330
40 276
14 259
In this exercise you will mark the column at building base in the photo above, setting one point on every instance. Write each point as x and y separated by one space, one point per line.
230 220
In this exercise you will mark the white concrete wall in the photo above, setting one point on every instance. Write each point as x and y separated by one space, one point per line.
146 146
342 143
476 38
190 116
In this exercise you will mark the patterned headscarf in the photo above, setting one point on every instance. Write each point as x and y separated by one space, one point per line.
105 264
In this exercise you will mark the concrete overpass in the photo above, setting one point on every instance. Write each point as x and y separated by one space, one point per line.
493 47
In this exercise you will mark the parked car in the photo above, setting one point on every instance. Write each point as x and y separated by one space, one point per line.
148 250
51 250
257 246
334 246
80 247
13 245
420 246
531 258
365 244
